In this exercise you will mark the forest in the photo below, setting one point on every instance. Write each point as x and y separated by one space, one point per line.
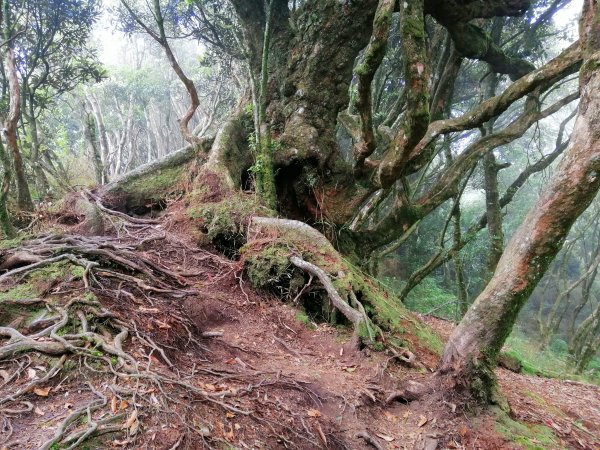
264 224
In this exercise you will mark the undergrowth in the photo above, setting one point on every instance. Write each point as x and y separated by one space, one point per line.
552 362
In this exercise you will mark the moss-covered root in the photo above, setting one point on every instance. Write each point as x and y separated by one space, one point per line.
307 249
357 318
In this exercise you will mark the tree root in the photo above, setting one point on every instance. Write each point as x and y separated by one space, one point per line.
354 316
369 440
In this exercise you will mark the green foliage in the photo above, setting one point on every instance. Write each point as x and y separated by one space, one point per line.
303 318
552 362
429 296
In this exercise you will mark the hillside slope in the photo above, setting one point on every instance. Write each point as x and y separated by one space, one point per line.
137 338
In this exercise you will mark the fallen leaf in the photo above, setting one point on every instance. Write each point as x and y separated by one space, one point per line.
38 411
163 325
229 415
42 392
149 310
135 426
31 374
422 421
131 419
385 437
123 404
5 375
229 435
313 413
113 404
349 368
389 416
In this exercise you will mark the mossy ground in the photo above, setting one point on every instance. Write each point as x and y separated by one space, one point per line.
37 281
528 436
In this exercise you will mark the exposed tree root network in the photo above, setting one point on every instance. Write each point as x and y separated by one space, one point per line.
139 338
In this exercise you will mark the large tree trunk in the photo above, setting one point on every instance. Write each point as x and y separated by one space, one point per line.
474 345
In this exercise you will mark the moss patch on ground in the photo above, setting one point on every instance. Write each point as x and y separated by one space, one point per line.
37 281
528 436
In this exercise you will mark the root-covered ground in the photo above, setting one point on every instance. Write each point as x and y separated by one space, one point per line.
140 339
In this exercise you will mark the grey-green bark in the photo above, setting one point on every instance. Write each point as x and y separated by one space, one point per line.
5 223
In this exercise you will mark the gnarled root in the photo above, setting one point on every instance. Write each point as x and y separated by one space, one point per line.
307 248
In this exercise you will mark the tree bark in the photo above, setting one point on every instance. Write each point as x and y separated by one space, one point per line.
89 132
104 146
5 223
24 201
473 347
41 181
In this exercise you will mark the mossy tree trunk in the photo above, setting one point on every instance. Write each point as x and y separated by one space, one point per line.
5 223
473 347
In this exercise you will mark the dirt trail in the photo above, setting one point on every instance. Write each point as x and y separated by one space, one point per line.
571 409
208 362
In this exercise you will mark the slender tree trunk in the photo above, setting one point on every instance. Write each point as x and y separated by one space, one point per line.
463 297
104 146
493 210
24 201
5 223
473 347
161 38
89 132
265 172
41 181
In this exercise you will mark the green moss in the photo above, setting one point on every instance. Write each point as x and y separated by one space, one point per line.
267 267
303 318
429 338
20 292
155 187
228 217
58 271
414 27
539 400
6 244
528 436
36 281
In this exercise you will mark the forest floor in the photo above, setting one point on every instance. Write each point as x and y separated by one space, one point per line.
164 345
